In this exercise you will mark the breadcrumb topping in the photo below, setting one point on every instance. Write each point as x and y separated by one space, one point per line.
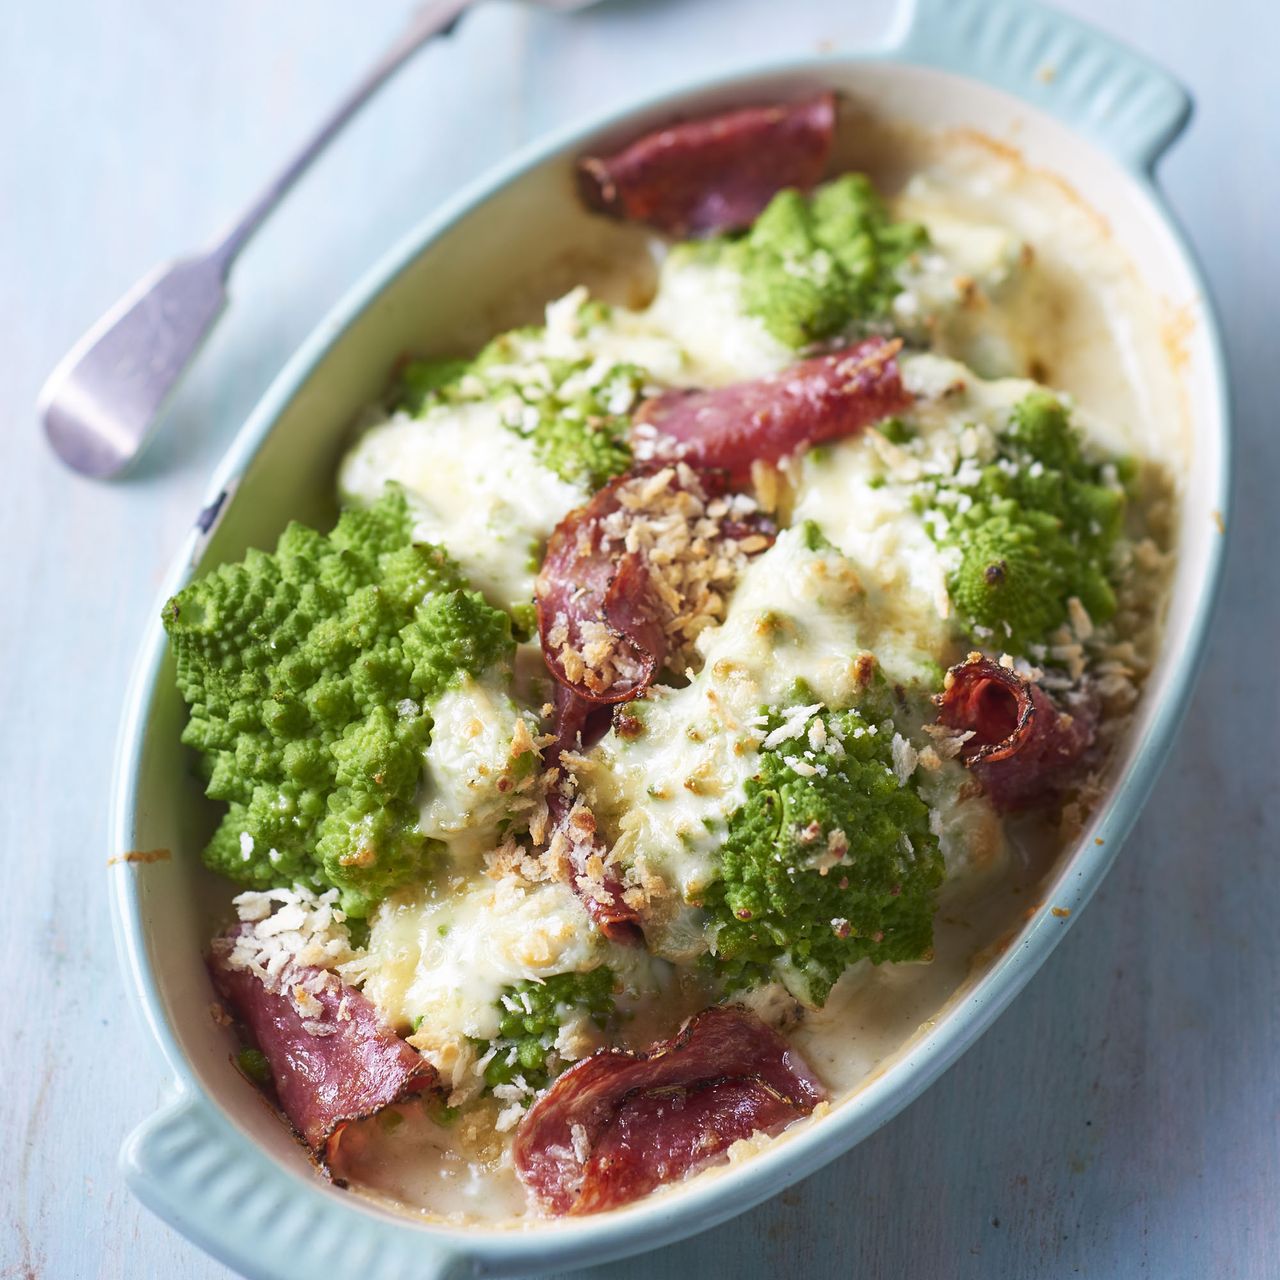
693 546
292 940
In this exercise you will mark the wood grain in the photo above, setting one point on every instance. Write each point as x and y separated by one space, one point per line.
1123 1118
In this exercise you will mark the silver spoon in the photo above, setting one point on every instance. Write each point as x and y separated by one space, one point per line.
101 403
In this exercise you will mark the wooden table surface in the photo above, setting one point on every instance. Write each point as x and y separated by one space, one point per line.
1122 1119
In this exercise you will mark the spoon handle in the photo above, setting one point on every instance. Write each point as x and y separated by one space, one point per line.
100 405
435 17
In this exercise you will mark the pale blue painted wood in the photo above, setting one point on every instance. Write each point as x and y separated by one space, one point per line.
1122 1119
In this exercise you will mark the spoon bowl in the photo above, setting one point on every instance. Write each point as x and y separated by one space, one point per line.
101 404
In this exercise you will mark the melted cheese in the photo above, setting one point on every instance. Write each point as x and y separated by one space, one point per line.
796 615
946 291
859 490
470 775
875 525
950 291
958 413
970 834
475 487
626 337
443 953
698 304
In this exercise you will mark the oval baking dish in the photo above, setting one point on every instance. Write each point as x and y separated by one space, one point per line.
216 1164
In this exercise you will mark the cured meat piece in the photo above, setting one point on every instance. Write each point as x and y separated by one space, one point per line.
591 875
334 1064
631 575
572 825
575 722
1024 749
628 579
659 1136
600 625
731 427
616 1125
713 174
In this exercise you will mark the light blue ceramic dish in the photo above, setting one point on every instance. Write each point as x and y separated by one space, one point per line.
215 1163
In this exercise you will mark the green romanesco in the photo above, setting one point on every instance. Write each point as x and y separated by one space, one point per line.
830 860
423 382
310 674
574 411
815 266
532 1014
1034 529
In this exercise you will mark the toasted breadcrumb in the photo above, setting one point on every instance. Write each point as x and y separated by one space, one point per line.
693 547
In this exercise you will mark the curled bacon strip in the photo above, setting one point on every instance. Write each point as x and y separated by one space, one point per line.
616 1125
337 1065
716 173
731 427
1024 749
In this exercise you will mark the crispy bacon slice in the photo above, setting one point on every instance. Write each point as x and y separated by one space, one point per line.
1024 749
337 1064
616 1125
716 173
731 427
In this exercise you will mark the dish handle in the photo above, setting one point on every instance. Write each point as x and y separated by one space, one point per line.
194 1170
1129 105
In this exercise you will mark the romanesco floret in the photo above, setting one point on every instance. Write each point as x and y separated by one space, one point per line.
532 1014
310 674
574 411
1035 529
829 861
453 632
814 266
